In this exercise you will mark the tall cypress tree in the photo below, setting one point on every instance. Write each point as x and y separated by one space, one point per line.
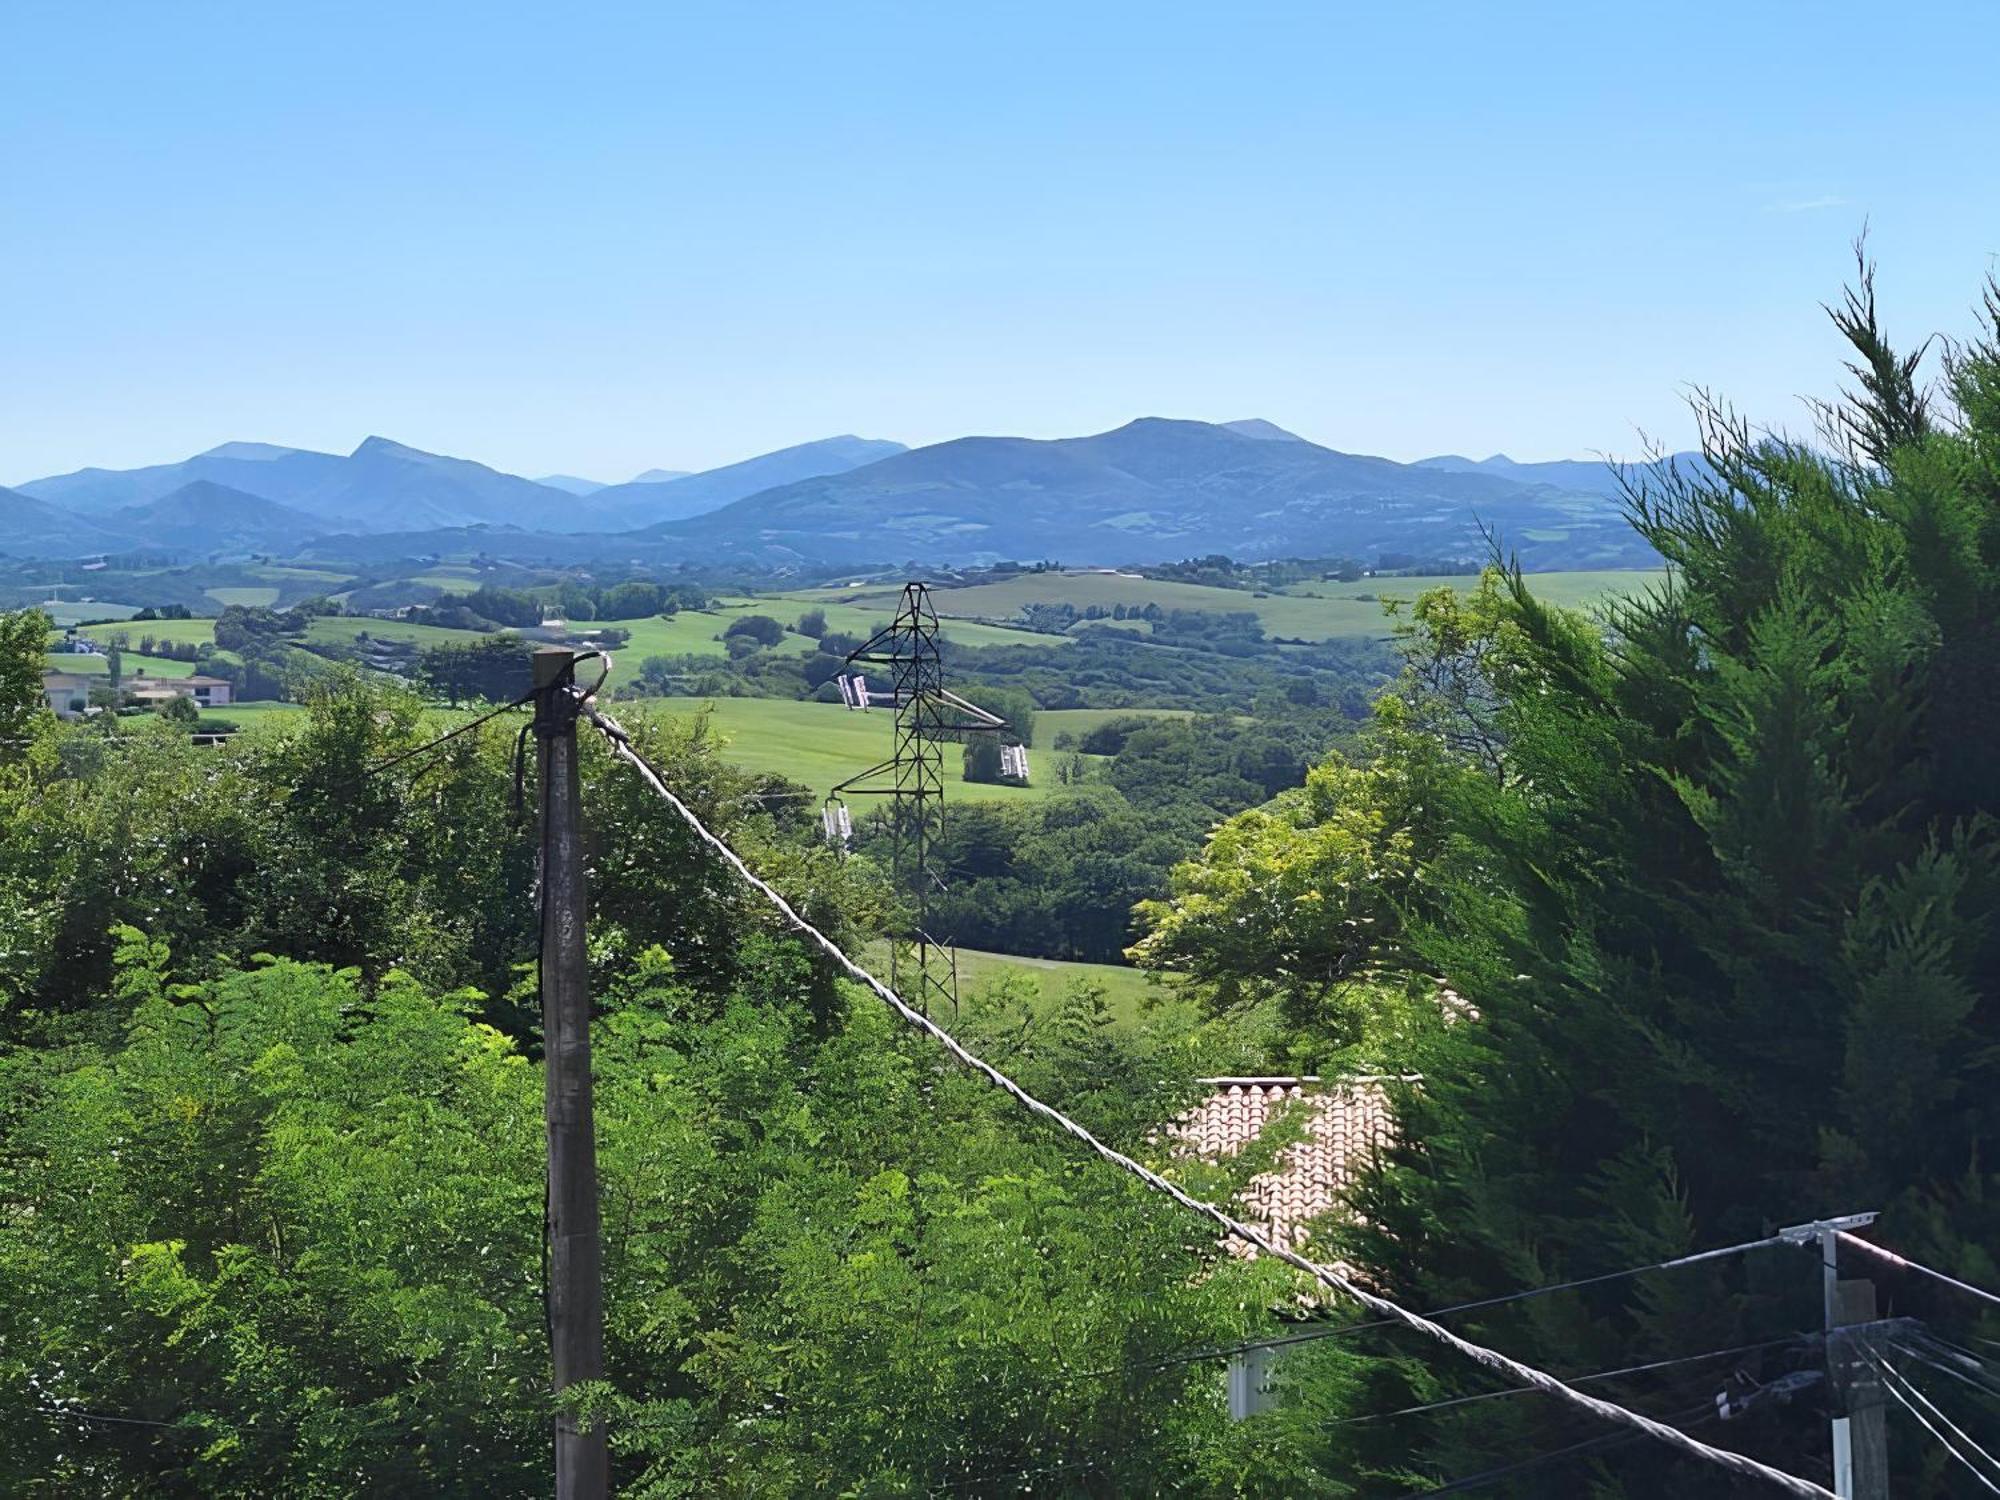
1730 920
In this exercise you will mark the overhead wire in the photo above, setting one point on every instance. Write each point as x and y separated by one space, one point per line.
1603 1443
1737 1463
1520 1390
1905 1263
1280 1341
1943 1441
1959 1364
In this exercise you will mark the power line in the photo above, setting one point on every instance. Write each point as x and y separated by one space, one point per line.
393 761
1943 1441
1517 1390
1978 1379
1281 1341
1906 1264
1693 1417
94 1416
1526 1374
1882 1363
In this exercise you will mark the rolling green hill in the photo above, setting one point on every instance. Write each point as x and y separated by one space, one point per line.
1314 612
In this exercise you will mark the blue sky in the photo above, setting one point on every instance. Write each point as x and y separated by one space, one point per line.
601 237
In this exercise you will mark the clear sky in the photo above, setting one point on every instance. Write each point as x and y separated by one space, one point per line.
595 238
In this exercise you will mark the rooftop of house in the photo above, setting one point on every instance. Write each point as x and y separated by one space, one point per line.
1348 1120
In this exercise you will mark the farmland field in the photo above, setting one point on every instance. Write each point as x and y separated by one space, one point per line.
1313 611
74 612
1128 992
133 664
262 597
817 744
180 632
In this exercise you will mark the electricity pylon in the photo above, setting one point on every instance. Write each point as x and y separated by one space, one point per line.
922 965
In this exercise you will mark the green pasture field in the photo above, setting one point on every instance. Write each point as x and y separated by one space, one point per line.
819 744
74 612
180 632
345 630
279 573
133 663
694 632
1128 992
1313 611
253 597
256 715
1578 589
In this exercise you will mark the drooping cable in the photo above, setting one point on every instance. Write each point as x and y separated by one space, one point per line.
1944 1442
1889 1370
1284 1340
1948 1359
1603 1443
1608 1411
1521 1390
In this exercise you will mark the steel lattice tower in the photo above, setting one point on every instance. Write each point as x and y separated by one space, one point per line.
922 965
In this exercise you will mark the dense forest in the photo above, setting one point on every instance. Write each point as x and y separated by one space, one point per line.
1675 923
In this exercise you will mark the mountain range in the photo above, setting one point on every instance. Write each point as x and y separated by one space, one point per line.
1153 490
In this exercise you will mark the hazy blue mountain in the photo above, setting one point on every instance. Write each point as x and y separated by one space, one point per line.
207 518
35 528
252 451
1153 490
380 486
659 476
1586 476
571 484
1257 427
625 506
271 473
385 485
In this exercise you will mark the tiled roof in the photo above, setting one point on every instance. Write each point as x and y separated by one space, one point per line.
1349 1120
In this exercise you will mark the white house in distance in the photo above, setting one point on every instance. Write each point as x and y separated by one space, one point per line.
68 693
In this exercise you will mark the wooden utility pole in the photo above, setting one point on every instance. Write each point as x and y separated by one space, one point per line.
575 1253
1860 1424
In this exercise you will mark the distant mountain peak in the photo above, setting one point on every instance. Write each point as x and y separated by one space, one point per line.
659 476
1257 427
250 452
381 447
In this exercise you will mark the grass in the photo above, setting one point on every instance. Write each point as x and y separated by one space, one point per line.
1050 722
133 664
817 744
255 715
74 612
253 597
180 632
344 630
1128 992
1315 611
694 632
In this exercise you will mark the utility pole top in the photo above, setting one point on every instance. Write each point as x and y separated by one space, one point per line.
1806 1234
551 662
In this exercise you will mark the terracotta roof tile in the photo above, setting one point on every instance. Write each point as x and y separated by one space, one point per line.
1349 1120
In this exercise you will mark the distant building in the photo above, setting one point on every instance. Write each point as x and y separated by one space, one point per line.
1346 1122
207 692
68 693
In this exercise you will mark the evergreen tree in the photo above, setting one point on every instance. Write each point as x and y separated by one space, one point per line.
1723 904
